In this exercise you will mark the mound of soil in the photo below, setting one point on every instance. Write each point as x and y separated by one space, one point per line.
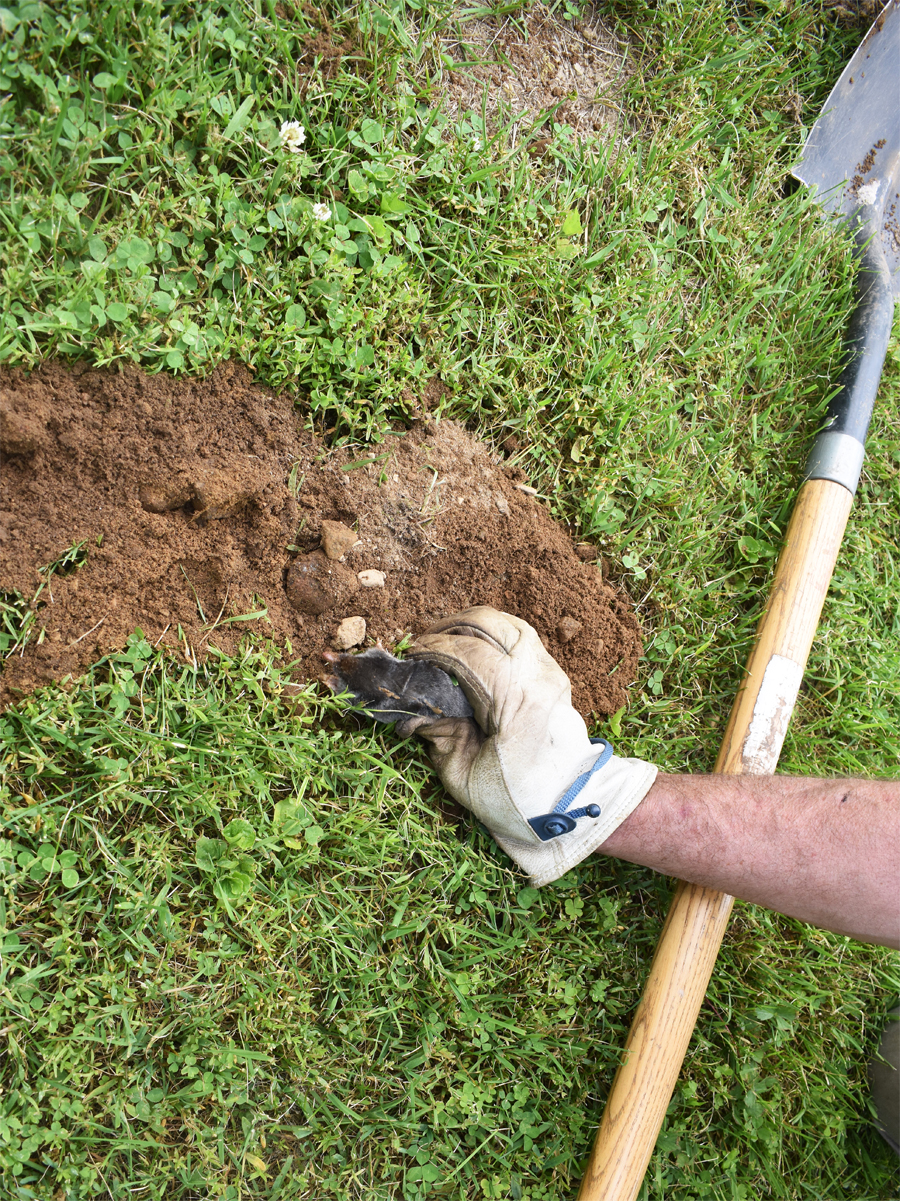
202 500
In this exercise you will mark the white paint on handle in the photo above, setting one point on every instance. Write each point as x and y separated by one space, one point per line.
771 714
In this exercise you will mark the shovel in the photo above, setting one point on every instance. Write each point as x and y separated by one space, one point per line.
852 159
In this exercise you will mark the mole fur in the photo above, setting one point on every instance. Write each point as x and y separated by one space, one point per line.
390 689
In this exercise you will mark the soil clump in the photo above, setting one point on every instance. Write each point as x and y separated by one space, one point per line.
198 501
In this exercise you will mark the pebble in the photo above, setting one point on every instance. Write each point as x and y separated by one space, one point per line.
502 504
527 489
351 632
337 539
371 578
307 585
567 629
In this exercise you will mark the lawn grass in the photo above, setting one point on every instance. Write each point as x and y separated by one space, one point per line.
247 949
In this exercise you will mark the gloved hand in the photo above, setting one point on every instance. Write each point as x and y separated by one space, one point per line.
528 769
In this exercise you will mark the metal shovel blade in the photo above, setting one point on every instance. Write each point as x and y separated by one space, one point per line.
852 155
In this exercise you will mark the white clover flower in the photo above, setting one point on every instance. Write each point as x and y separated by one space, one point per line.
293 135
476 144
321 212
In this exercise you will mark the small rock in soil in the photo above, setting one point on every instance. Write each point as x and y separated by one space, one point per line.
337 539
568 628
307 584
585 551
351 632
371 578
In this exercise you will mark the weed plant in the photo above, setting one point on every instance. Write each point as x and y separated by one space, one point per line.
247 949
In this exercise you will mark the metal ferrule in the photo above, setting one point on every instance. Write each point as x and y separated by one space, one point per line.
838 457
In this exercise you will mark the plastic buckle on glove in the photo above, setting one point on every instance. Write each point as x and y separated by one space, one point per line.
551 825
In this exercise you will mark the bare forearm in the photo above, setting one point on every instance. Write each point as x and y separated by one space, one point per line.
824 851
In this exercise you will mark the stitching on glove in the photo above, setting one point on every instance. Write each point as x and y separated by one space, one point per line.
552 825
466 630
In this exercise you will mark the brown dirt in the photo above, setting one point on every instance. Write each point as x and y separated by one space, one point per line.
853 13
204 499
533 61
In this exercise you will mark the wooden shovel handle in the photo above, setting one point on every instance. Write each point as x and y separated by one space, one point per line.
696 923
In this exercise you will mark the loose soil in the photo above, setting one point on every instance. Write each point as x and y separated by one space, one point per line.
202 500
521 65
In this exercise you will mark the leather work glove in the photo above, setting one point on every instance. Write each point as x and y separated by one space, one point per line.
528 770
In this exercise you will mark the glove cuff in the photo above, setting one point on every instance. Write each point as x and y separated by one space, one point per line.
616 790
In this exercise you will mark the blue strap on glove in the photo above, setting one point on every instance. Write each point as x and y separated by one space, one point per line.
552 825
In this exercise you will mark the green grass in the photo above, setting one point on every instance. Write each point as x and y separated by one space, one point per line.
389 1007
247 952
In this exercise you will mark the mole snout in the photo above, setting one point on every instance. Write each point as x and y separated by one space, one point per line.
390 689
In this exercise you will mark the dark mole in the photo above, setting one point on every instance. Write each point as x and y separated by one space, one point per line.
390 689
845 797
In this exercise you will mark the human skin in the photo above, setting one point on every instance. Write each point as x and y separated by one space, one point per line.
824 851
